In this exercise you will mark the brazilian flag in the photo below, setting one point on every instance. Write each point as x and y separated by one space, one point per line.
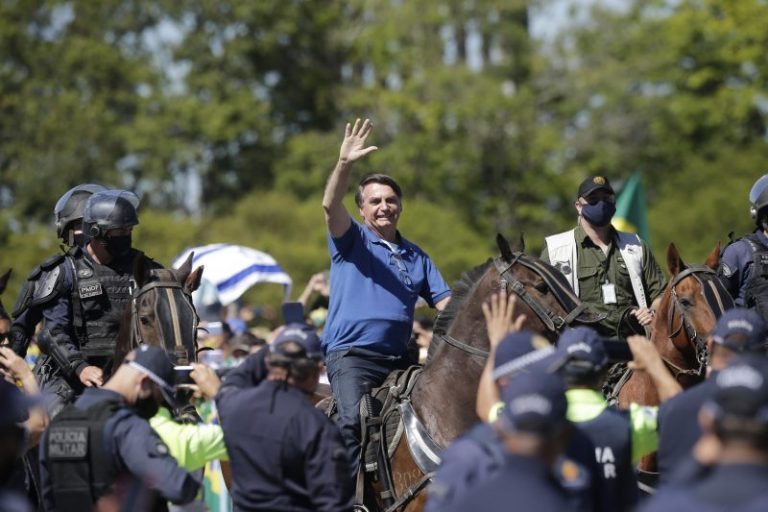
631 210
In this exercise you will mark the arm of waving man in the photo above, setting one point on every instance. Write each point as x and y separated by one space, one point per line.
353 148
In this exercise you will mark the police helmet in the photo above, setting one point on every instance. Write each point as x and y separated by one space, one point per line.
70 206
758 196
110 209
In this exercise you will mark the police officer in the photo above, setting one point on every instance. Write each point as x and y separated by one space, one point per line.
478 454
618 442
734 424
744 263
82 298
68 215
738 331
103 444
534 432
285 454
614 272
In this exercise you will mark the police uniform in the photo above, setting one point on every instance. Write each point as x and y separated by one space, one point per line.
285 454
594 269
82 303
737 405
679 428
744 271
469 460
95 442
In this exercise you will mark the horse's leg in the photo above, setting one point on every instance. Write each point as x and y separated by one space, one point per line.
405 474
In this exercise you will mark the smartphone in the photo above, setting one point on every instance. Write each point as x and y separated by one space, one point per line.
293 313
212 358
181 375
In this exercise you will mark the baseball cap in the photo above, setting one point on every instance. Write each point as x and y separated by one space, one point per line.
741 389
582 350
153 361
535 403
741 330
518 350
301 334
593 183
14 404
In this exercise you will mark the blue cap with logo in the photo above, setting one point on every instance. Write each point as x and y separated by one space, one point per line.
153 361
517 351
583 350
741 389
741 330
535 402
301 334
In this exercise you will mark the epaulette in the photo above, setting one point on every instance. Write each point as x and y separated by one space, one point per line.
46 266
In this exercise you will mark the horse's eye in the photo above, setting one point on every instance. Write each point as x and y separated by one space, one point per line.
145 320
541 287
685 302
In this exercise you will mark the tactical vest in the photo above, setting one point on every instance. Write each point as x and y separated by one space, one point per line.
100 295
756 288
611 433
80 463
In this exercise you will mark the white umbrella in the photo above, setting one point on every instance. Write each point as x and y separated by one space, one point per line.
231 270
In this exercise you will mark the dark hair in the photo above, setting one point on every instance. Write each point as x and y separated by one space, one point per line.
376 178
585 379
752 432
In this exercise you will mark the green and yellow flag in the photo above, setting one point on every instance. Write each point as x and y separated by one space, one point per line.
631 211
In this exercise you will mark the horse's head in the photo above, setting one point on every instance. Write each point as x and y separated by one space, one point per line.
162 312
691 304
543 296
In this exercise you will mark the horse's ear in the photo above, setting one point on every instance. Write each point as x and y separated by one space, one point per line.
519 244
182 273
674 261
192 282
506 250
713 261
4 280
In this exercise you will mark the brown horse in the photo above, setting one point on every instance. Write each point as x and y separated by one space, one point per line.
443 397
161 312
690 305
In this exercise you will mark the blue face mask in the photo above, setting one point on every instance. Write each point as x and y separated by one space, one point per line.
599 214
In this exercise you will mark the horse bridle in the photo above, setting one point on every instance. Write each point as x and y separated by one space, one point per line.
168 285
508 282
722 301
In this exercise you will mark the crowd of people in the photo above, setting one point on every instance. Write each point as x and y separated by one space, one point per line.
81 432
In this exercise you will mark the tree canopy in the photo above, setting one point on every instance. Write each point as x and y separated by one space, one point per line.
225 117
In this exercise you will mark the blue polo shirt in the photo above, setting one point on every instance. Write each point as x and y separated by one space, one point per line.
374 288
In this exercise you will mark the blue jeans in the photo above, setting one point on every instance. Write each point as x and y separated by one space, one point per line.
352 373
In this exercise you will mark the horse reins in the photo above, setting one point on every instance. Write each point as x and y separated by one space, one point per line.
507 282
168 286
718 303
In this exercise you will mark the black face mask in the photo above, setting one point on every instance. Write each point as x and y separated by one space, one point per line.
79 240
146 407
117 246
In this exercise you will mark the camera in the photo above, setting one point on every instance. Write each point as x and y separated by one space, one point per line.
182 377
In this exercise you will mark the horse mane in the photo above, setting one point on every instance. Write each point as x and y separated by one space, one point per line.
459 292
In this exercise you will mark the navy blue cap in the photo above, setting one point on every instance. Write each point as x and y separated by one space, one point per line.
741 330
517 350
535 403
593 183
583 346
14 404
301 334
153 361
741 388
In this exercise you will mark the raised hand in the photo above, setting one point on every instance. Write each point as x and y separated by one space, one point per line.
499 312
353 147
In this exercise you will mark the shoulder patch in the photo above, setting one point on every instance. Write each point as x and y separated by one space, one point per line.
725 270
